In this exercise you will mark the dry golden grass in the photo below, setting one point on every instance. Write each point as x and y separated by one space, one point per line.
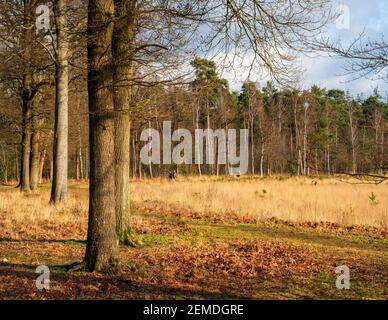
187 258
29 216
253 199
294 199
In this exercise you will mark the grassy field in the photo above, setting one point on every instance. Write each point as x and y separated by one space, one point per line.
249 238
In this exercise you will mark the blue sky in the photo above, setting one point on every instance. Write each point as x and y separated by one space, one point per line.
368 15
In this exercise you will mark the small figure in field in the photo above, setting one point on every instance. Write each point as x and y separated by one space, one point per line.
172 175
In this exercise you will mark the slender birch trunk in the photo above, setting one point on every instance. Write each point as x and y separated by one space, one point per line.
60 150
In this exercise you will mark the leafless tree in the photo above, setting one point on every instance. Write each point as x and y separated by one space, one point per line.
363 57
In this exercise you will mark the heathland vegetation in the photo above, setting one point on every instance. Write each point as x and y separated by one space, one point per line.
211 238
81 80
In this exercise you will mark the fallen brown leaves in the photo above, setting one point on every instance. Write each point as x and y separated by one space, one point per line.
250 259
242 269
45 230
325 226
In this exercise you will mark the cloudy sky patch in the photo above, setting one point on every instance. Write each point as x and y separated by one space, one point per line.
369 17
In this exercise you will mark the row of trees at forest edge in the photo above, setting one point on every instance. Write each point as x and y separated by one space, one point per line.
112 68
298 132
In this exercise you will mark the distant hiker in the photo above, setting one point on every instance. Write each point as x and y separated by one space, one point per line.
172 175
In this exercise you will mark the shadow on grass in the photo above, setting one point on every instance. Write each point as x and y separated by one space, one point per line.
81 285
48 241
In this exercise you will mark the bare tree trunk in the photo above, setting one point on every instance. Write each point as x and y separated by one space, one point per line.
122 48
77 170
51 169
17 164
150 159
299 162
60 150
269 172
134 157
305 141
41 164
26 147
252 147
5 165
197 127
101 249
79 153
217 157
251 117
208 149
140 169
81 163
87 164
297 143
262 159
382 158
35 154
34 160
28 93
352 135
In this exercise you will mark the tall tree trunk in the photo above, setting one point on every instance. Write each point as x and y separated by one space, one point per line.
34 161
60 150
51 170
122 47
197 127
79 153
101 249
16 164
262 159
252 146
87 164
297 137
150 159
208 149
77 171
26 147
81 162
352 135
305 141
216 146
5 165
134 167
291 145
35 154
28 93
383 159
41 164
